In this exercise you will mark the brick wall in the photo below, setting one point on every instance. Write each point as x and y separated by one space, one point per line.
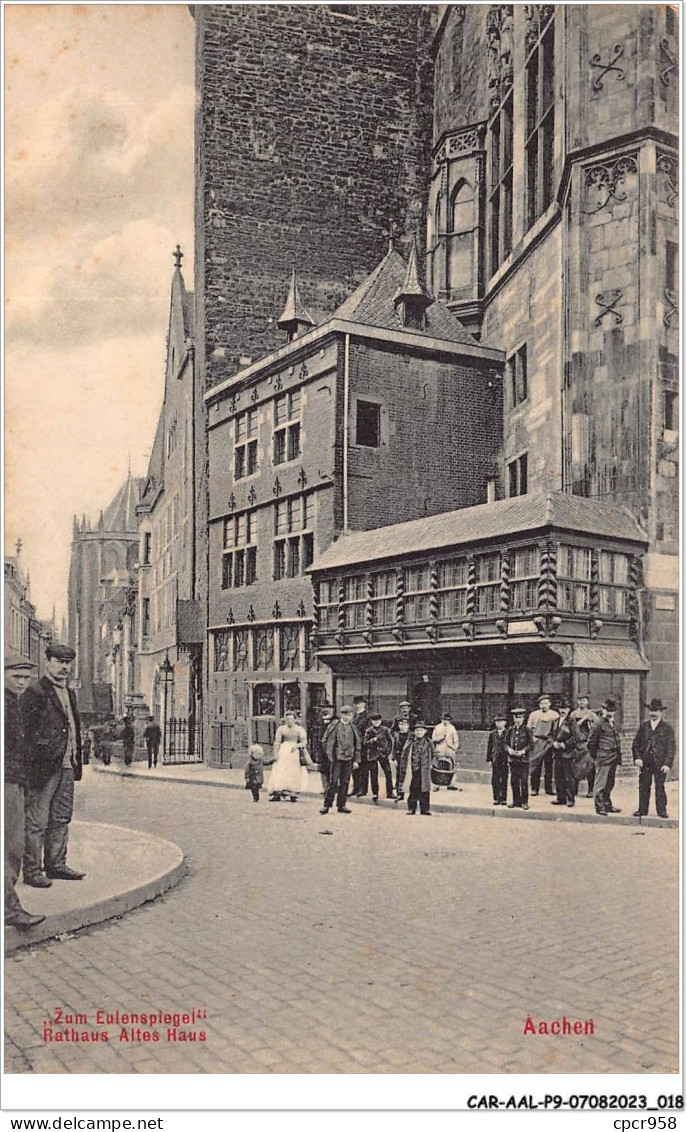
312 135
440 436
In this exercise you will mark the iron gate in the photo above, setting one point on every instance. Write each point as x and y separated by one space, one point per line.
182 742
222 743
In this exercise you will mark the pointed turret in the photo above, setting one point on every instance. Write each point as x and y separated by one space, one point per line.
295 318
411 300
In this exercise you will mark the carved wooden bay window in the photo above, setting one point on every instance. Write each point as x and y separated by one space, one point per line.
525 578
417 591
488 583
614 592
574 574
453 582
355 601
383 600
328 607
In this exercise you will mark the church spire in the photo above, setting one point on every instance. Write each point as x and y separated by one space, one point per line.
411 300
295 318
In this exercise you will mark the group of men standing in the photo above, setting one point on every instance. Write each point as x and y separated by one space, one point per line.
571 746
43 760
355 746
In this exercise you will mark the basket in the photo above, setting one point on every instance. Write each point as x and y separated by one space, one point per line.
442 770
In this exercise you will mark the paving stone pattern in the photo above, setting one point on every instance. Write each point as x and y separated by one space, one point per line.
388 946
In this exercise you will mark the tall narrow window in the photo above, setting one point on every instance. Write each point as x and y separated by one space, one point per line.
670 410
517 365
539 117
461 229
501 184
367 422
517 476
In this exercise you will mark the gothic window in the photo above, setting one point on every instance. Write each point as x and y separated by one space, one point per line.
461 236
501 184
263 650
222 652
240 650
539 114
438 265
289 647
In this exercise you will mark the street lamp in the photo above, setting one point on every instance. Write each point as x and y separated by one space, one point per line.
167 670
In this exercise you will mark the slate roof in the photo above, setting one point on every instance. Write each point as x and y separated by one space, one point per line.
155 476
372 303
503 519
121 514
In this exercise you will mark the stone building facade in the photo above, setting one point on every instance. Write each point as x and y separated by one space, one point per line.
385 411
552 231
167 623
101 580
25 637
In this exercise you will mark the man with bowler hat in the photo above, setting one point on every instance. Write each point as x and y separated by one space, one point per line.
604 747
18 674
653 750
52 730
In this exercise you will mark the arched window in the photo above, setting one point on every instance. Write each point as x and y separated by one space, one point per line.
462 223
436 244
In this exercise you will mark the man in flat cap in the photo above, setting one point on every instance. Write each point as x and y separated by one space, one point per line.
342 745
18 674
53 740
604 747
653 751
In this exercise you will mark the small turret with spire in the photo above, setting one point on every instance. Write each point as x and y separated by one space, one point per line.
411 300
295 318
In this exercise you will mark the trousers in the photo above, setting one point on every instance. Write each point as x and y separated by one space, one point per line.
372 769
519 771
153 749
647 774
49 809
417 794
546 761
14 843
339 778
564 778
604 781
499 777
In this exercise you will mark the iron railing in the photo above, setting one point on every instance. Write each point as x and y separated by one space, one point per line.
182 742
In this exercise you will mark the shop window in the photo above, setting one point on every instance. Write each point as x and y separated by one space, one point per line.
517 476
517 366
367 424
539 120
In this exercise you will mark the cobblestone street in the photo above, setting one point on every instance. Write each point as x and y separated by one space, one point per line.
389 946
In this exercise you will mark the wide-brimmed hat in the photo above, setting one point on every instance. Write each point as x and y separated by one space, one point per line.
60 652
656 705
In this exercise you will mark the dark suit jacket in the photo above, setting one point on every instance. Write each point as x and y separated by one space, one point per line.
15 753
46 731
657 747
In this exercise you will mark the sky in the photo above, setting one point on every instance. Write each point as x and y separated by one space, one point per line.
99 103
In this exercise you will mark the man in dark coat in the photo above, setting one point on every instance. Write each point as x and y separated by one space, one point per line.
53 741
18 674
604 747
342 744
376 752
152 736
128 740
361 722
653 751
324 717
418 752
565 743
519 744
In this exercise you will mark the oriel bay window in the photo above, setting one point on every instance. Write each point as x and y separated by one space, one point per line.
240 557
246 446
613 578
384 599
488 582
287 429
525 578
355 601
417 588
328 597
453 581
574 571
462 222
294 543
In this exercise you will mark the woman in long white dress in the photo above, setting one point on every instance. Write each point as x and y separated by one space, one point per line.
287 777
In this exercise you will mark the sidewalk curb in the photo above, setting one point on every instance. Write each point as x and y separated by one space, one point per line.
437 807
74 919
